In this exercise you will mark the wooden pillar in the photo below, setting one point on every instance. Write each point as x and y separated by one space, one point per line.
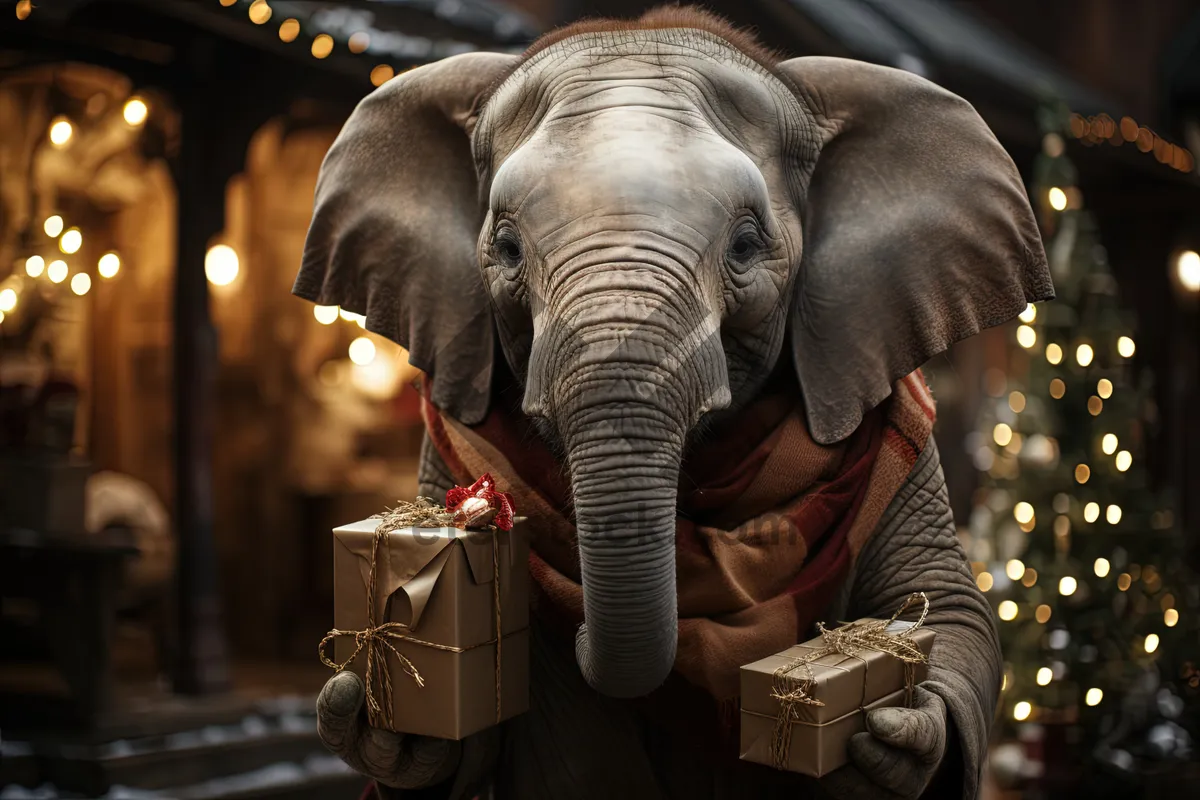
201 661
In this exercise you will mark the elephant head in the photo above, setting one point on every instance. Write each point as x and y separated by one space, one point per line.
641 220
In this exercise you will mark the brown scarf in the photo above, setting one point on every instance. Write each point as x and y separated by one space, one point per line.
769 521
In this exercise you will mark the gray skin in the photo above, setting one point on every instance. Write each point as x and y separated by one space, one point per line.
645 222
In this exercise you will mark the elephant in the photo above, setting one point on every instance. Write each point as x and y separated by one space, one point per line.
637 229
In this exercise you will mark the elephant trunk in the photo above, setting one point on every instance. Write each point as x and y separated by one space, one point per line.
624 463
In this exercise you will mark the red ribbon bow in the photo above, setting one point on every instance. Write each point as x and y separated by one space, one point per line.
483 489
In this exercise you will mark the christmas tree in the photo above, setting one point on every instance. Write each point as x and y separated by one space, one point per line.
1079 555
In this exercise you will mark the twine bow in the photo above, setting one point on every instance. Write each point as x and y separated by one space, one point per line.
377 639
849 640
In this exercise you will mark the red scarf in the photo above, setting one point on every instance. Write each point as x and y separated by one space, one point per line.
769 521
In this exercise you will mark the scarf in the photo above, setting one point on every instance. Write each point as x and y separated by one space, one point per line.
769 522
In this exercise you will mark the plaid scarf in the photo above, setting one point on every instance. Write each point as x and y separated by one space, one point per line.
768 527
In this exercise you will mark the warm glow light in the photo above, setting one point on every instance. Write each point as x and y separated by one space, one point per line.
228 3
24 9
1022 710
1151 643
1028 315
1023 512
135 111
1095 406
1058 199
1026 336
1170 617
359 41
1016 401
260 12
1007 611
53 226
1030 577
362 351
109 265
350 316
1124 581
1053 353
984 581
1067 586
1044 676
1113 514
1109 444
81 283
8 299
1104 388
1124 460
71 241
1014 569
289 29
1126 347
1093 696
34 266
1084 354
61 131
221 264
1082 473
1002 434
1187 269
326 315
1042 613
1101 567
382 74
1057 388
322 46
56 271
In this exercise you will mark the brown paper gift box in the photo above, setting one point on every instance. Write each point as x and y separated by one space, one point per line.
438 582
845 684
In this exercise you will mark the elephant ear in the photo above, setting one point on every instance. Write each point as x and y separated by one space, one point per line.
396 220
917 233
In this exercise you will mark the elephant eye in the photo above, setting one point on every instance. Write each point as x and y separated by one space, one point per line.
507 248
744 245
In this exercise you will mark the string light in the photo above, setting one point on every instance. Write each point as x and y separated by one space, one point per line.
71 241
322 46
1016 401
1109 444
109 265
221 265
8 299
259 12
81 283
1029 314
1002 434
228 3
1082 473
1124 581
1054 353
1007 611
289 29
984 581
359 42
326 315
1042 613
61 131
382 74
1026 336
362 351
24 9
1151 643
1058 198
1125 347
53 226
1044 676
350 316
1104 388
1084 355
34 266
1113 514
135 111
1023 513
1095 406
1187 269
1022 710
1093 696
1030 577
1015 569
1057 388
56 271
1102 127
1067 586
1101 567
1124 460
1170 618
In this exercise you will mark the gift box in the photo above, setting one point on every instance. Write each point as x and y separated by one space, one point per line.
444 645
801 706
